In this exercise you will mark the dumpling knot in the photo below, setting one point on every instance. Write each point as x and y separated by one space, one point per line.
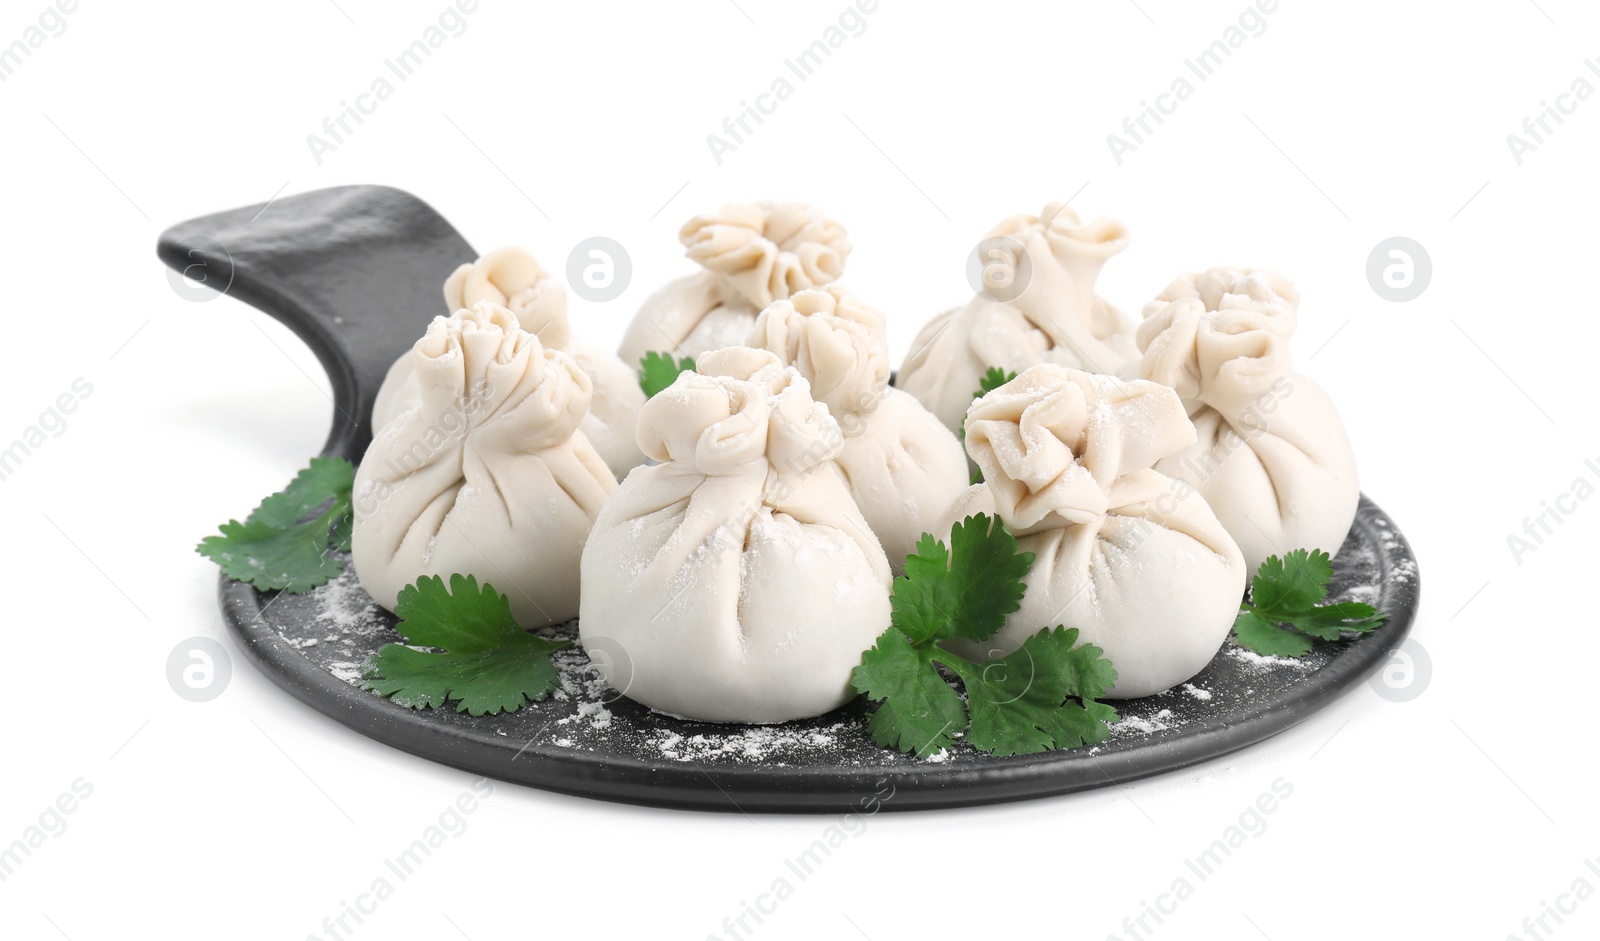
1054 259
484 365
476 335
1060 226
1223 289
742 409
835 341
512 278
1220 338
767 251
1054 442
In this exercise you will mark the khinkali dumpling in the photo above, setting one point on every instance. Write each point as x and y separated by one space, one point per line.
487 474
1272 457
1053 259
902 466
1135 560
737 581
751 255
512 278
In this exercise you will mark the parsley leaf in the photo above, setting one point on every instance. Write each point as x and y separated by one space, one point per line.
659 370
1024 702
1268 639
1295 584
920 712
487 663
1019 702
293 560
283 543
1285 611
993 378
1330 620
343 530
964 591
324 479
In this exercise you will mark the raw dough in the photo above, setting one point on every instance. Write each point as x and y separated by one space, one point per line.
750 255
511 278
1271 457
1056 318
1132 559
486 474
736 581
902 466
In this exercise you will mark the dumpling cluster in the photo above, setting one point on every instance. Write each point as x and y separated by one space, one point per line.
1049 313
1270 455
901 465
1134 560
770 494
750 256
511 278
486 473
737 580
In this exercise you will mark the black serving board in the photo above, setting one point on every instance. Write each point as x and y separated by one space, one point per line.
356 272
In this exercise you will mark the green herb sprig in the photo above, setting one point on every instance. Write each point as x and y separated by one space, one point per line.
657 371
283 544
486 663
1041 696
1285 615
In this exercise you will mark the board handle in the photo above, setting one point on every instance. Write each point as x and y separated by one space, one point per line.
354 271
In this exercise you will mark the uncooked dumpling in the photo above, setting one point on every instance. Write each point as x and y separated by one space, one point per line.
486 474
750 256
1133 559
902 466
1271 457
736 581
1053 259
512 278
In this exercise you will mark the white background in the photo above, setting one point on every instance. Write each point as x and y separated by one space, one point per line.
1455 815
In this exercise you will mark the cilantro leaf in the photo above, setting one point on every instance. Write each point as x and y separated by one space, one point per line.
1087 724
920 712
965 591
1285 613
1040 696
1083 668
993 378
277 547
659 370
1330 620
1019 702
1292 584
1268 639
293 560
324 479
487 663
343 530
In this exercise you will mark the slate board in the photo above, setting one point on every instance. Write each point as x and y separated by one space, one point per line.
356 272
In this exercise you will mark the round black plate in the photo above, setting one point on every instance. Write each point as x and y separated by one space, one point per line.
355 271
